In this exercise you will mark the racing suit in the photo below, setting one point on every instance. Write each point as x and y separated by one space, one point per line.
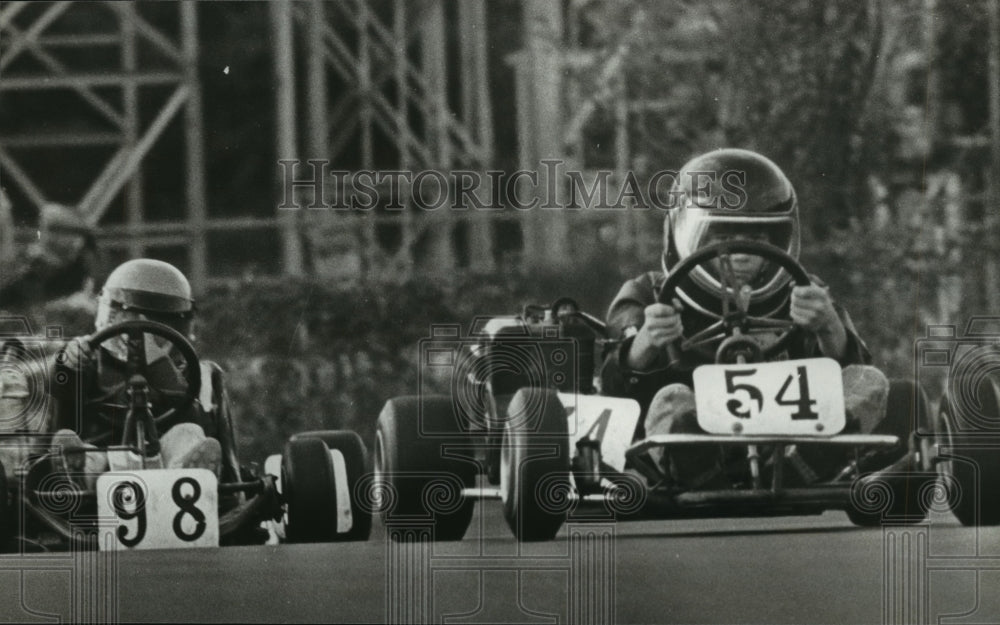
93 399
665 396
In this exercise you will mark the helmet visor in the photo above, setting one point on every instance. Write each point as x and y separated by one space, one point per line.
696 229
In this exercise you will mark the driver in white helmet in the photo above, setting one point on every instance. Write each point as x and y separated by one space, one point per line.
91 406
727 194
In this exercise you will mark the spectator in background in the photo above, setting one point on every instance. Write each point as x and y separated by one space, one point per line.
60 265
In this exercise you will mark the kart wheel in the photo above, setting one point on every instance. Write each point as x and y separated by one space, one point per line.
900 496
308 486
419 487
973 472
350 464
535 465
6 536
905 502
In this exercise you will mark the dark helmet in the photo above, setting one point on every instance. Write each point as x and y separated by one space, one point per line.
731 192
152 288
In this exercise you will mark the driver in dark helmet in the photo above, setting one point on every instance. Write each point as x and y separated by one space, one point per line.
94 407
727 195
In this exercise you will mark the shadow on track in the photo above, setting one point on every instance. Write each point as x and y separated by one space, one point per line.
759 531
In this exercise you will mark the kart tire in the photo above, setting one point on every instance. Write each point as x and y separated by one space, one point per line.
974 471
535 485
906 505
6 535
420 490
355 456
904 490
308 488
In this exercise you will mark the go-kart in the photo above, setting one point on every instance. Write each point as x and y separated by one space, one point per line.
525 413
58 498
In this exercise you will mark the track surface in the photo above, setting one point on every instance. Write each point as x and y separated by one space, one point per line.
784 570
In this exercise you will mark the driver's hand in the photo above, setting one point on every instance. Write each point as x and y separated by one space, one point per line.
661 328
76 355
812 309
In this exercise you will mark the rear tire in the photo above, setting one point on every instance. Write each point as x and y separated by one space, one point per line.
308 483
906 505
419 487
905 490
535 465
975 471
355 456
6 533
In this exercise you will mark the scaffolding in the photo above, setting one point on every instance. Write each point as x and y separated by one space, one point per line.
134 81
362 85
385 89
568 86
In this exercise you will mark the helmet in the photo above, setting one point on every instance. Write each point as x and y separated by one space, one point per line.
731 193
148 288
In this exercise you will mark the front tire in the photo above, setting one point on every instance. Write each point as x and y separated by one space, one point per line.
355 465
535 465
905 492
308 483
417 477
6 533
972 470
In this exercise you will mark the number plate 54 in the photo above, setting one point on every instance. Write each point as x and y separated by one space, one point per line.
158 509
791 397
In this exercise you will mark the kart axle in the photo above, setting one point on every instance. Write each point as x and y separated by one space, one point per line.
821 496
848 440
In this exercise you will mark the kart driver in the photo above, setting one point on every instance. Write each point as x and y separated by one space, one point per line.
724 195
156 291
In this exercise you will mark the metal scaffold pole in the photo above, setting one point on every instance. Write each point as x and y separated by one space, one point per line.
993 179
195 148
287 143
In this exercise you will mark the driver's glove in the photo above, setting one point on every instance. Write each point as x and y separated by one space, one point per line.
76 355
661 326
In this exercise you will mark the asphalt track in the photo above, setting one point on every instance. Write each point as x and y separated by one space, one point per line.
817 569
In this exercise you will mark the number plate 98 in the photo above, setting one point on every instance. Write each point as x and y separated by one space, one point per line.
158 509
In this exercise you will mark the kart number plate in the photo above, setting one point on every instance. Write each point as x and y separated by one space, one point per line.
610 420
158 509
794 397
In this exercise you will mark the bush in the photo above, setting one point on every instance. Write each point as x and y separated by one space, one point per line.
301 354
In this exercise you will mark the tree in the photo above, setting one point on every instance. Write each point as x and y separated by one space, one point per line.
801 74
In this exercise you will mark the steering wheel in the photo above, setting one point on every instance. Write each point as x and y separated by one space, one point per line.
134 330
735 319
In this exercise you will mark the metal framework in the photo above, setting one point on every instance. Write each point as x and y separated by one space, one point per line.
38 46
379 95
564 87
364 85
